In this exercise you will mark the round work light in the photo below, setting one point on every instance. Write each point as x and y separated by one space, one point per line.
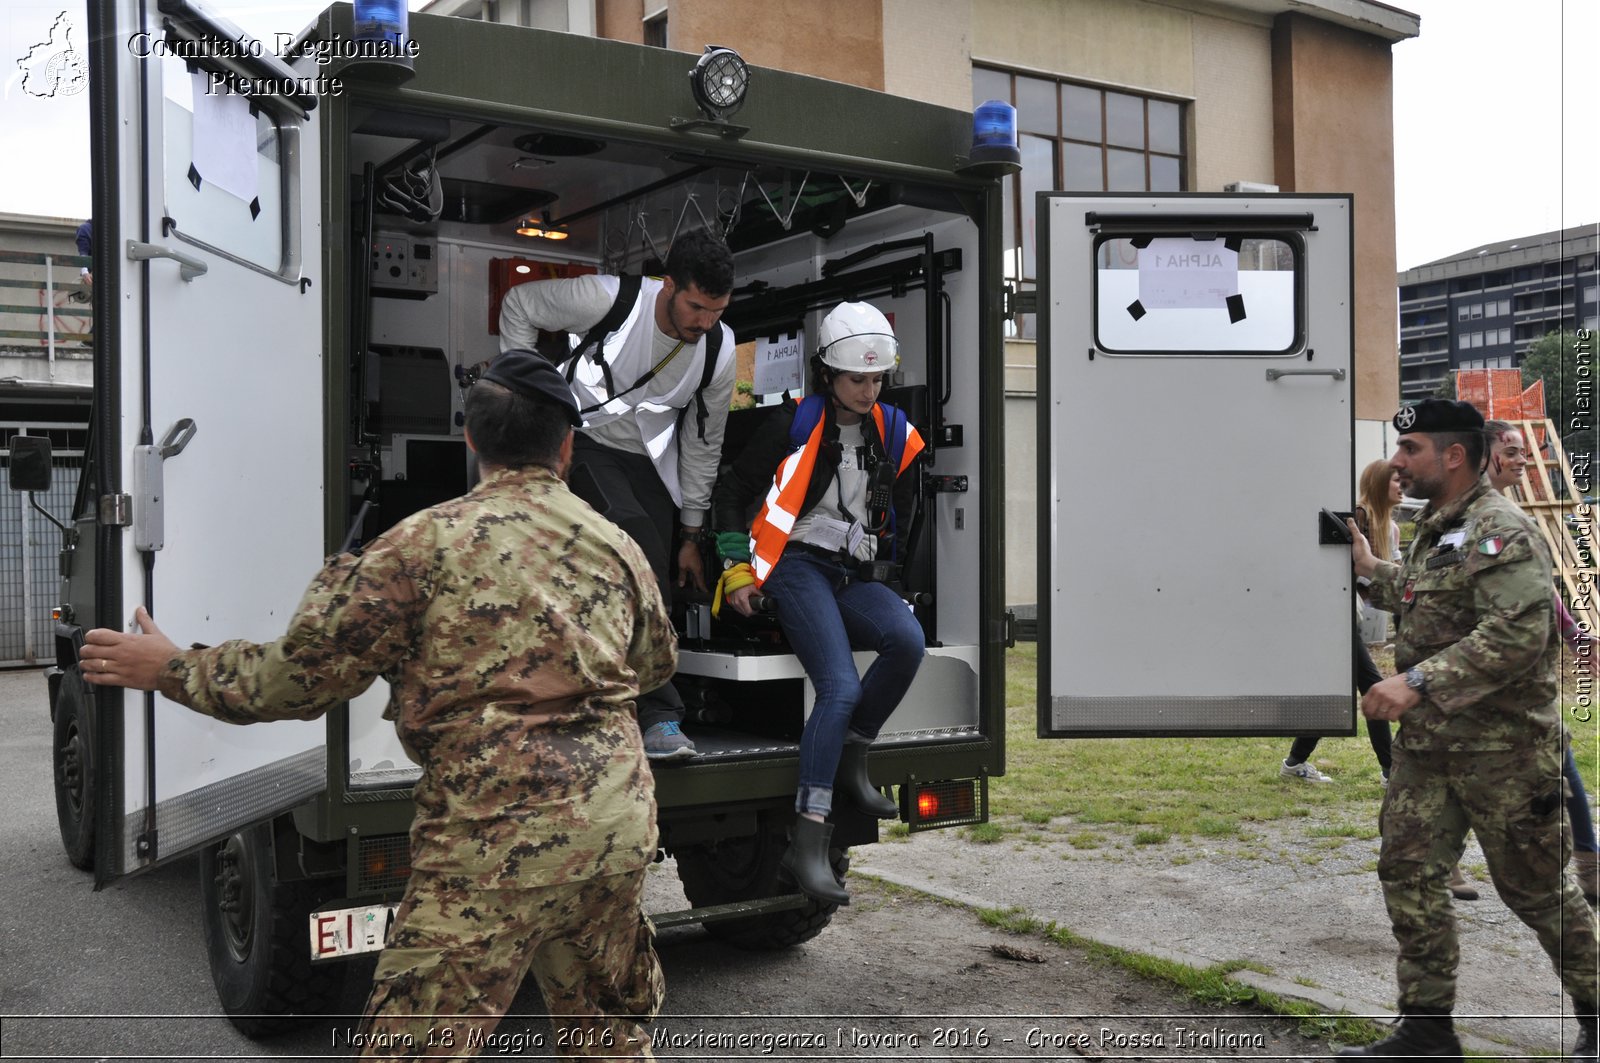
719 82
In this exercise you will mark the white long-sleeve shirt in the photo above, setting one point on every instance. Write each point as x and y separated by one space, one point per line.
640 422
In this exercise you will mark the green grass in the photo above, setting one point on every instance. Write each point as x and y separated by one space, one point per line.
1193 787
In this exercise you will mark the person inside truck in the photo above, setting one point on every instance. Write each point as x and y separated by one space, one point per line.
535 811
1507 457
654 392
823 549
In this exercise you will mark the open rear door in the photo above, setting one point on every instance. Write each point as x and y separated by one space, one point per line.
1195 407
209 380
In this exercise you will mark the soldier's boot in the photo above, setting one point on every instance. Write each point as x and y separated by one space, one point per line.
855 783
1584 1051
1420 1034
806 861
1586 869
1460 888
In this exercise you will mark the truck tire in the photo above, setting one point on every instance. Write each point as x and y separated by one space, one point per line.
72 757
746 868
256 938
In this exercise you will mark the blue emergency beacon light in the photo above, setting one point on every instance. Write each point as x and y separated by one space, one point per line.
382 38
994 141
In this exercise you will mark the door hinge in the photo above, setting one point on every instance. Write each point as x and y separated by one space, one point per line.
149 484
1020 302
116 510
946 484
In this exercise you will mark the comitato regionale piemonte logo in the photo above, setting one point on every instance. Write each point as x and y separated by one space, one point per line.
53 67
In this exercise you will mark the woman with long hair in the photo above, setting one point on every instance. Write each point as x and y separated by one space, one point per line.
1379 494
839 472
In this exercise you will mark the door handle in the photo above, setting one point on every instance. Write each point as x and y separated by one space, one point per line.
1273 374
189 267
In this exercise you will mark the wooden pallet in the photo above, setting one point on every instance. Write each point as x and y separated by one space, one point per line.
1572 545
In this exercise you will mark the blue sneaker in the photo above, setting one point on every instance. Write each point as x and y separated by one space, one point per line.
666 741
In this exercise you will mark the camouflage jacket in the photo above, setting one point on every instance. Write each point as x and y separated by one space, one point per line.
515 627
1473 597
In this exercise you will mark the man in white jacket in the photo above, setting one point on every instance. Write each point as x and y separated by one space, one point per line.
654 394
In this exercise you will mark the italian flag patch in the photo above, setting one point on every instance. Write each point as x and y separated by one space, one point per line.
1491 545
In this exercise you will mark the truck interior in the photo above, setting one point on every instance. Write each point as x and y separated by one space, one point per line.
453 211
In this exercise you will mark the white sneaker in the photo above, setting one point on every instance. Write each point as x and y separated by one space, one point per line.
1304 772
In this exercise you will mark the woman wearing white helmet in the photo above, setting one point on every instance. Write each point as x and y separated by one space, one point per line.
835 509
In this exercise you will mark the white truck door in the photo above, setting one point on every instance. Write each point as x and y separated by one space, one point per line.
209 203
1195 407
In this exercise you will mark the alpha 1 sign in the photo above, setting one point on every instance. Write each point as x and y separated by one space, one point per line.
1177 273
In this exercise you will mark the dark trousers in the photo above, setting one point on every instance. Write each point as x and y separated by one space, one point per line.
1367 677
626 490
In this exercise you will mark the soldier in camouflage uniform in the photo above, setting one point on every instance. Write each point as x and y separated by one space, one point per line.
515 628
1480 732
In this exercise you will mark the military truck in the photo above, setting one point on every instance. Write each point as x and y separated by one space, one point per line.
291 276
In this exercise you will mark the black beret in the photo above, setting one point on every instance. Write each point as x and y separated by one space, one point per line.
1439 415
533 377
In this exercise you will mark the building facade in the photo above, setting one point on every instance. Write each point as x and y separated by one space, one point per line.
1135 95
1483 308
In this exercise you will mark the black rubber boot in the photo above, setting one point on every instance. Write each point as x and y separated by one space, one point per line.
806 862
1419 1036
854 782
1584 1051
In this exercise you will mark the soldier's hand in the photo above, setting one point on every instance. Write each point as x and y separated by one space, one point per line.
691 566
124 659
1361 555
1389 700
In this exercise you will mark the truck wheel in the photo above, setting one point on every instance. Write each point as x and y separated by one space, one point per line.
256 938
743 869
73 756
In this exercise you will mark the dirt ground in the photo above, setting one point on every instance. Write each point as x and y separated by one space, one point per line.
898 974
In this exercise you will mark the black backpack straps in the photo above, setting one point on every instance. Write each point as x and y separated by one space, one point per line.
621 307
713 349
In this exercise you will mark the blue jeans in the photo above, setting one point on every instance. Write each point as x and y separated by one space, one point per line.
1583 838
867 616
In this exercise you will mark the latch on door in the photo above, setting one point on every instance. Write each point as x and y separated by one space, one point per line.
149 495
1331 528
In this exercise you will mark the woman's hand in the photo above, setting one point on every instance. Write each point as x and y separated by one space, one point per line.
740 600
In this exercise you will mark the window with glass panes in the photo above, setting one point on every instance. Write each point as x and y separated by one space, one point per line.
1078 138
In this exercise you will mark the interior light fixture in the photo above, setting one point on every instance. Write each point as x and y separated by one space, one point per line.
542 228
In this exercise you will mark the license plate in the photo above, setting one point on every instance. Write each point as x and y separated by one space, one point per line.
350 931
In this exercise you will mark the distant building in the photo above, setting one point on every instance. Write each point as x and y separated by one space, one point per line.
1483 308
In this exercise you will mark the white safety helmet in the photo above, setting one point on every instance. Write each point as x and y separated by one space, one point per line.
857 338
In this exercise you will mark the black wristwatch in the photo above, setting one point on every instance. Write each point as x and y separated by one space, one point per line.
1416 680
692 535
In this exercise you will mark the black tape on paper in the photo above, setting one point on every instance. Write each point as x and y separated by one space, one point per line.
1233 243
1136 310
1235 309
255 209
1140 242
194 177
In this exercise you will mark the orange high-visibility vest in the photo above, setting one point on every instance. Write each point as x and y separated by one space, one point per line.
770 531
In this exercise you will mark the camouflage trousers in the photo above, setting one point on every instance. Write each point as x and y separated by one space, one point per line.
456 957
1515 802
